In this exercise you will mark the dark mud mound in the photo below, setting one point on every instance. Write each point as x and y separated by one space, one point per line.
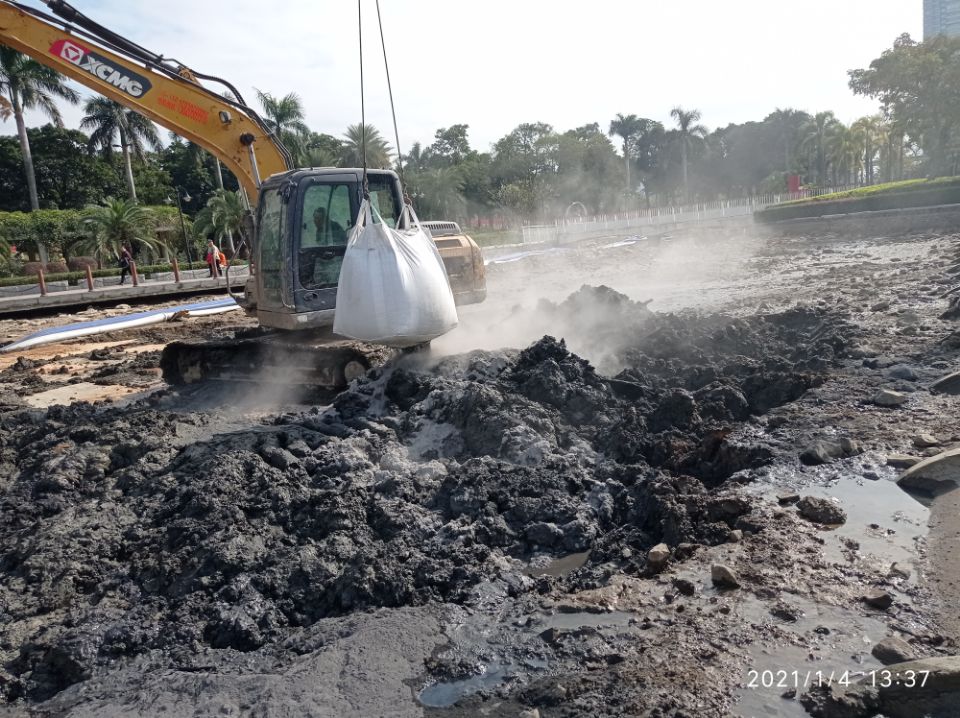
129 533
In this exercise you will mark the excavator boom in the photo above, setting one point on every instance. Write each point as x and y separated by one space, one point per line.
167 93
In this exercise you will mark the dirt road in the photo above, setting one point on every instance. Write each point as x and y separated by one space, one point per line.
686 507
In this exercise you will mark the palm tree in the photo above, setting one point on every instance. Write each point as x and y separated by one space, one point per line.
119 222
222 216
26 84
843 153
870 134
6 109
687 132
815 134
625 127
107 120
788 123
285 118
378 150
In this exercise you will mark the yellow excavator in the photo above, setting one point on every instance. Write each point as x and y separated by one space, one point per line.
298 220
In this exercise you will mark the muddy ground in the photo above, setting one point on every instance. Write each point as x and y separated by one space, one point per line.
644 478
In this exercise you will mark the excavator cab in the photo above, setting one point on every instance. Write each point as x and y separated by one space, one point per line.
304 220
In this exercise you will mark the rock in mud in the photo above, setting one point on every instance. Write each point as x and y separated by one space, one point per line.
893 650
902 461
823 452
890 398
950 384
658 556
878 598
902 371
821 511
933 476
723 576
928 687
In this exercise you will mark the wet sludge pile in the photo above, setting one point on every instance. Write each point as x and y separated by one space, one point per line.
124 535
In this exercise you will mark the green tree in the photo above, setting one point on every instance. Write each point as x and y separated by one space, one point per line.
918 85
814 138
285 116
26 84
323 150
108 120
688 132
626 126
222 217
451 145
869 134
119 222
378 150
787 125
843 151
67 176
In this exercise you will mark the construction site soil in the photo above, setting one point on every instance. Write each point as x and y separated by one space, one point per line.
639 479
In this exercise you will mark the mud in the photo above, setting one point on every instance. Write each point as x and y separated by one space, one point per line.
468 533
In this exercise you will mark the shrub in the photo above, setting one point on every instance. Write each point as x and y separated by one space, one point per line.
30 269
55 268
79 264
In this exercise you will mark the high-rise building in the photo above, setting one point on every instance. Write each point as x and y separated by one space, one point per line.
941 17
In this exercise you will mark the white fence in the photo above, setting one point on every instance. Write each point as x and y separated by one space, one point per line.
573 229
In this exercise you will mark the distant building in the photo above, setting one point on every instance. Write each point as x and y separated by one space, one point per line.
941 17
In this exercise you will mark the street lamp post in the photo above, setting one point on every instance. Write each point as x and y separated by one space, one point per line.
183 226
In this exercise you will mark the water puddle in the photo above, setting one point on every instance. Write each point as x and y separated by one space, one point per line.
824 644
586 619
446 693
558 567
884 524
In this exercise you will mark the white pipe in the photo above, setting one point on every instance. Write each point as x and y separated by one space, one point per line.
113 324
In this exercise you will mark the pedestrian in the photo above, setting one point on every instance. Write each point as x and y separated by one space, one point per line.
126 259
213 258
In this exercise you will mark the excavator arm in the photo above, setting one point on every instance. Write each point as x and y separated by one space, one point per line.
163 90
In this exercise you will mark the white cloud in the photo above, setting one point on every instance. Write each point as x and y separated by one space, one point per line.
497 63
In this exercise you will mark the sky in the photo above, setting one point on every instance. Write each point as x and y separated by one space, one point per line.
494 64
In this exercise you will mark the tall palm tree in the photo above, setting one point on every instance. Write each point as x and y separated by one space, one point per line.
814 139
687 132
222 216
870 134
107 120
788 123
625 127
378 154
285 117
843 153
119 222
26 84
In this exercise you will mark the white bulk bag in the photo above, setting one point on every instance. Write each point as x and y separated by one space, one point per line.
393 287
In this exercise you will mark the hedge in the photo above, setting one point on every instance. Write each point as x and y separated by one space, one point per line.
893 195
78 277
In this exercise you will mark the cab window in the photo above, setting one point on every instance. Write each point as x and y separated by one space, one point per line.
325 226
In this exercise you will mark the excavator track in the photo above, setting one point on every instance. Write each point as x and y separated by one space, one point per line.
310 360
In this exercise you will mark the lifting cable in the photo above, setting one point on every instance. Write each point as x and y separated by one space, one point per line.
363 111
393 111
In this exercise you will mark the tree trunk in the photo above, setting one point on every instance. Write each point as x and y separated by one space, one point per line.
626 160
27 164
128 166
683 160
